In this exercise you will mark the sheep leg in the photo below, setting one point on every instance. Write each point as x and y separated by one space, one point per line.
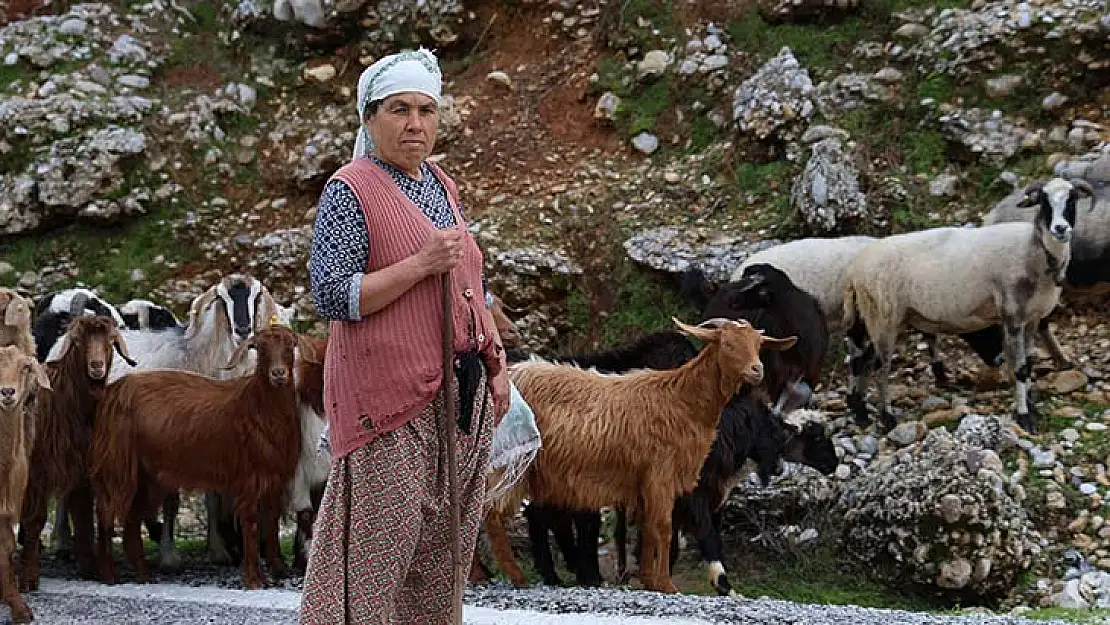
884 349
1059 358
1023 369
20 612
539 517
588 528
936 364
169 560
861 353
655 525
503 550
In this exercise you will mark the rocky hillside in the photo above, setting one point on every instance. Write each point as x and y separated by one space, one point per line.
601 147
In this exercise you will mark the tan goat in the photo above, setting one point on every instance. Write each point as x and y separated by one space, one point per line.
16 327
20 377
634 440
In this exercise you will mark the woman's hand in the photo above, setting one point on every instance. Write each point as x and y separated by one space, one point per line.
442 252
501 397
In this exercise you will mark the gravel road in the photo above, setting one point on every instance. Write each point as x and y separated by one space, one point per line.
65 602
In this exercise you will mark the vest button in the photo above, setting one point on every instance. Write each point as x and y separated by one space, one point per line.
469 293
481 338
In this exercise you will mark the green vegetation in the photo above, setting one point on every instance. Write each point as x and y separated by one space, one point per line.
1084 617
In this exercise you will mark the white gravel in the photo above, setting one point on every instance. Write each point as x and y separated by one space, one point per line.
62 602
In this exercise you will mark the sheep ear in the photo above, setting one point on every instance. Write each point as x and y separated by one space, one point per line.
1032 194
698 332
238 354
121 349
778 345
41 377
18 313
200 304
751 281
1085 188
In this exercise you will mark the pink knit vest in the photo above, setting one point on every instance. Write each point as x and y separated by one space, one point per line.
381 371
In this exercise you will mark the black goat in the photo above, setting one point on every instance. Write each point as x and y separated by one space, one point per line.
767 298
748 432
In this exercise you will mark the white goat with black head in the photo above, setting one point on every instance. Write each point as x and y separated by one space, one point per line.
143 314
957 280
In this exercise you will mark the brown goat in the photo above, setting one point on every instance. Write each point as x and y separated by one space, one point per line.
158 431
15 327
63 427
20 377
637 439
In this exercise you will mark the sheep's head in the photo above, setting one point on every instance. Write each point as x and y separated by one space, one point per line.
95 337
278 348
739 346
754 291
510 337
20 376
1057 199
15 309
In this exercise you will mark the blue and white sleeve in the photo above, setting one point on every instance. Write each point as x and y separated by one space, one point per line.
340 253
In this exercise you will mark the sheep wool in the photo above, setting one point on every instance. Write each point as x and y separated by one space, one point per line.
399 346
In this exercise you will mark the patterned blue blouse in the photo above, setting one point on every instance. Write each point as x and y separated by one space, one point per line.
341 243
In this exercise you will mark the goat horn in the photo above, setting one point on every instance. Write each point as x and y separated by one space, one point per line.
1035 186
1084 188
121 349
77 304
717 322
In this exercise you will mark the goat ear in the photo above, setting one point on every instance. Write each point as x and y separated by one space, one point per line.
41 378
238 354
778 345
121 349
698 332
18 313
200 304
1032 194
66 344
308 352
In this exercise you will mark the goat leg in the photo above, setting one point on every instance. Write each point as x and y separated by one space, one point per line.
936 363
271 541
31 521
620 537
133 545
80 503
20 612
539 518
656 527
588 528
106 566
302 541
218 552
61 538
248 518
503 550
169 560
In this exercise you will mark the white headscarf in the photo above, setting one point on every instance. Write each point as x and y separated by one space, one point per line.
409 71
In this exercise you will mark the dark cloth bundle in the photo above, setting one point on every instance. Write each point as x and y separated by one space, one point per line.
468 370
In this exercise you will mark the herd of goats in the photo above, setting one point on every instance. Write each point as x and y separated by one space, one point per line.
112 410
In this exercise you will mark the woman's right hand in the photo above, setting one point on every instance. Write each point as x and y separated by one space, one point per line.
442 252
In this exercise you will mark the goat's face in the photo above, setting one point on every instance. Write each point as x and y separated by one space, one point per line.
505 327
96 337
1057 199
15 308
277 348
810 446
754 291
20 376
739 346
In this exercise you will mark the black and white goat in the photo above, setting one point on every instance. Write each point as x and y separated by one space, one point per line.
956 280
143 314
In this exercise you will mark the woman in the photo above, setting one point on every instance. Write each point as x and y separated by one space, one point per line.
388 229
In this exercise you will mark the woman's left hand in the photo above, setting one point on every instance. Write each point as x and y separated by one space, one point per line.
501 396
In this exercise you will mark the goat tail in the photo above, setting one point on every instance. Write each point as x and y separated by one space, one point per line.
113 461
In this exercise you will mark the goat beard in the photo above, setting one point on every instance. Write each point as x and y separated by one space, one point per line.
96 388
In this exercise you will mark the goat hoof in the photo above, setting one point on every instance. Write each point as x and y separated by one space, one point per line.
22 614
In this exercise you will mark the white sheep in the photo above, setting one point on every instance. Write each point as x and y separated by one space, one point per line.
956 280
1089 268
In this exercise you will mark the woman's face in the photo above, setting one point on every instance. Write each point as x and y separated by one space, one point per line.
404 129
